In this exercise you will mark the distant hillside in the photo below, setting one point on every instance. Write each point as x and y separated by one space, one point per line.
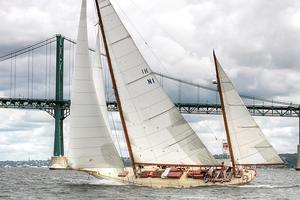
289 158
27 163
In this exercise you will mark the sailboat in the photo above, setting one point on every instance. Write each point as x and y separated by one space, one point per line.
247 143
164 150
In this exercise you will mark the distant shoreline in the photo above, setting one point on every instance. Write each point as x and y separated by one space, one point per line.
289 158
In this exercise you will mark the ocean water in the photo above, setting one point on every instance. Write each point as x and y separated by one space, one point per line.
41 183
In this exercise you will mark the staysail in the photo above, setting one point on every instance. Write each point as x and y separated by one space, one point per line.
248 143
90 143
157 131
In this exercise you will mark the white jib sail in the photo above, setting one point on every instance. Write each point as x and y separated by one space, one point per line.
90 143
249 145
158 133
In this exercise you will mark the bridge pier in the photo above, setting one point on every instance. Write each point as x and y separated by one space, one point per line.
59 161
297 167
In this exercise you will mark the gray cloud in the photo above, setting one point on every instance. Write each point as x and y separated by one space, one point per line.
256 42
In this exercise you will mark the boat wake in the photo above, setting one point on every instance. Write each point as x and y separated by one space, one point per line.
267 186
91 181
105 182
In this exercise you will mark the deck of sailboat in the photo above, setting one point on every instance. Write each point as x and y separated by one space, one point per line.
182 182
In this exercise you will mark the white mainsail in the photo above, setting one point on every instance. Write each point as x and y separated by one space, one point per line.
249 145
90 143
157 131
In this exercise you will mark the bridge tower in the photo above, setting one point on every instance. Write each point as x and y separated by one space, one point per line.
59 161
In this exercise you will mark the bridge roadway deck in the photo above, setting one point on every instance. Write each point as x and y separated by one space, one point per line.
48 105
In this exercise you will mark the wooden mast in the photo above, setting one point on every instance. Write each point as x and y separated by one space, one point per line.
224 114
115 87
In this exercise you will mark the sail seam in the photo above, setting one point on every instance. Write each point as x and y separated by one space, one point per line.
86 147
255 126
161 130
133 67
122 56
80 138
137 79
179 141
164 154
80 92
85 80
119 40
134 97
88 127
114 27
161 113
105 6
165 141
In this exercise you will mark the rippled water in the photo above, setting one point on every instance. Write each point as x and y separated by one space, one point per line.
39 183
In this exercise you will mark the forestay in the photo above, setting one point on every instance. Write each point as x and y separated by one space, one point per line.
158 133
249 145
90 143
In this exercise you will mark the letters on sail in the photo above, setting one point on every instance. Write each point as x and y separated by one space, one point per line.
158 133
90 143
249 145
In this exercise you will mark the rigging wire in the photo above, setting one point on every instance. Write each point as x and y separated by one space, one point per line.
69 69
46 71
169 35
50 71
215 90
32 65
180 91
146 15
160 63
15 75
197 128
28 73
198 95
73 63
116 133
10 89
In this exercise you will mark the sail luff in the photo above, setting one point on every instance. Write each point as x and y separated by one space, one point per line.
115 88
249 144
224 114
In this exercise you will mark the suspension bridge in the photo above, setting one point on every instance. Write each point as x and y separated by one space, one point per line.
38 77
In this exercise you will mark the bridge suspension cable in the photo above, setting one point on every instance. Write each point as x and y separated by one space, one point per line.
30 50
215 90
27 49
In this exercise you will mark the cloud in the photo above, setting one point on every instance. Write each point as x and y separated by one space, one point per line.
255 41
25 134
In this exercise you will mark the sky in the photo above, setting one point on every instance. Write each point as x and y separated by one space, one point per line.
256 42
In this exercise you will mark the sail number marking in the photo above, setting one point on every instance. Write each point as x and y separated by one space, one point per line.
145 71
149 80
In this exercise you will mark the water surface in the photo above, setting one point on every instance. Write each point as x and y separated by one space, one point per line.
41 183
